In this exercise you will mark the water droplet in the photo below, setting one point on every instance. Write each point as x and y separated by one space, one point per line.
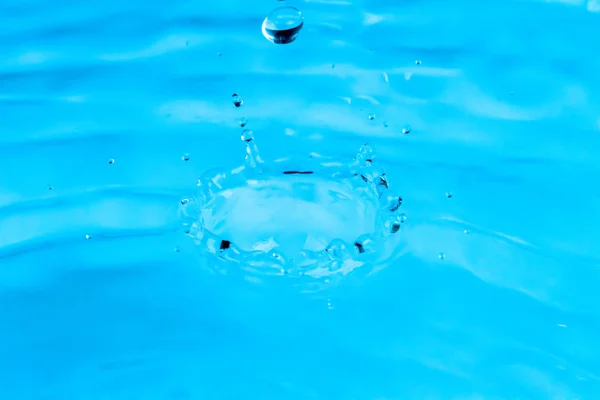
338 250
407 129
371 117
185 201
442 256
466 231
282 25
50 188
395 203
418 62
237 100
185 157
449 195
385 124
88 237
176 250
330 306
243 122
365 155
247 135
402 218
332 65
111 160
219 54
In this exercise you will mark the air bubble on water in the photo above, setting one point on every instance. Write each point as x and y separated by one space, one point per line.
243 122
282 25
111 160
185 157
407 129
237 100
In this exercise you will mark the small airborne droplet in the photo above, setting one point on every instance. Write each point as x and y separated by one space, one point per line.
247 135
442 256
185 157
111 160
449 195
184 201
418 62
371 117
407 129
88 237
243 122
237 100
282 25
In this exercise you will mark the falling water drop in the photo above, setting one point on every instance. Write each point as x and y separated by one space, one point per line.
418 62
449 195
247 135
88 237
243 122
111 160
237 100
407 129
185 157
442 256
282 25
371 117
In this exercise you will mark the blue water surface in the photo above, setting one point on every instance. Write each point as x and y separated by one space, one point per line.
495 290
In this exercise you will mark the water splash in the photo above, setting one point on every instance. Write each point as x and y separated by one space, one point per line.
314 216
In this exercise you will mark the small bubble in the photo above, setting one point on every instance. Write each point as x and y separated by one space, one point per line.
442 256
185 157
243 122
330 305
449 195
111 160
466 231
332 65
371 117
247 135
385 124
407 129
282 25
402 218
219 54
50 188
176 250
237 100
418 62
88 237
185 201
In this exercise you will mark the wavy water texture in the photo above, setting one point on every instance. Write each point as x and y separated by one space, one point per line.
494 292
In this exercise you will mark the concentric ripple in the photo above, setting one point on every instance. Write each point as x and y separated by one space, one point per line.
314 216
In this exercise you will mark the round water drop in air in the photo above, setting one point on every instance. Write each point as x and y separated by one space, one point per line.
282 25
237 100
